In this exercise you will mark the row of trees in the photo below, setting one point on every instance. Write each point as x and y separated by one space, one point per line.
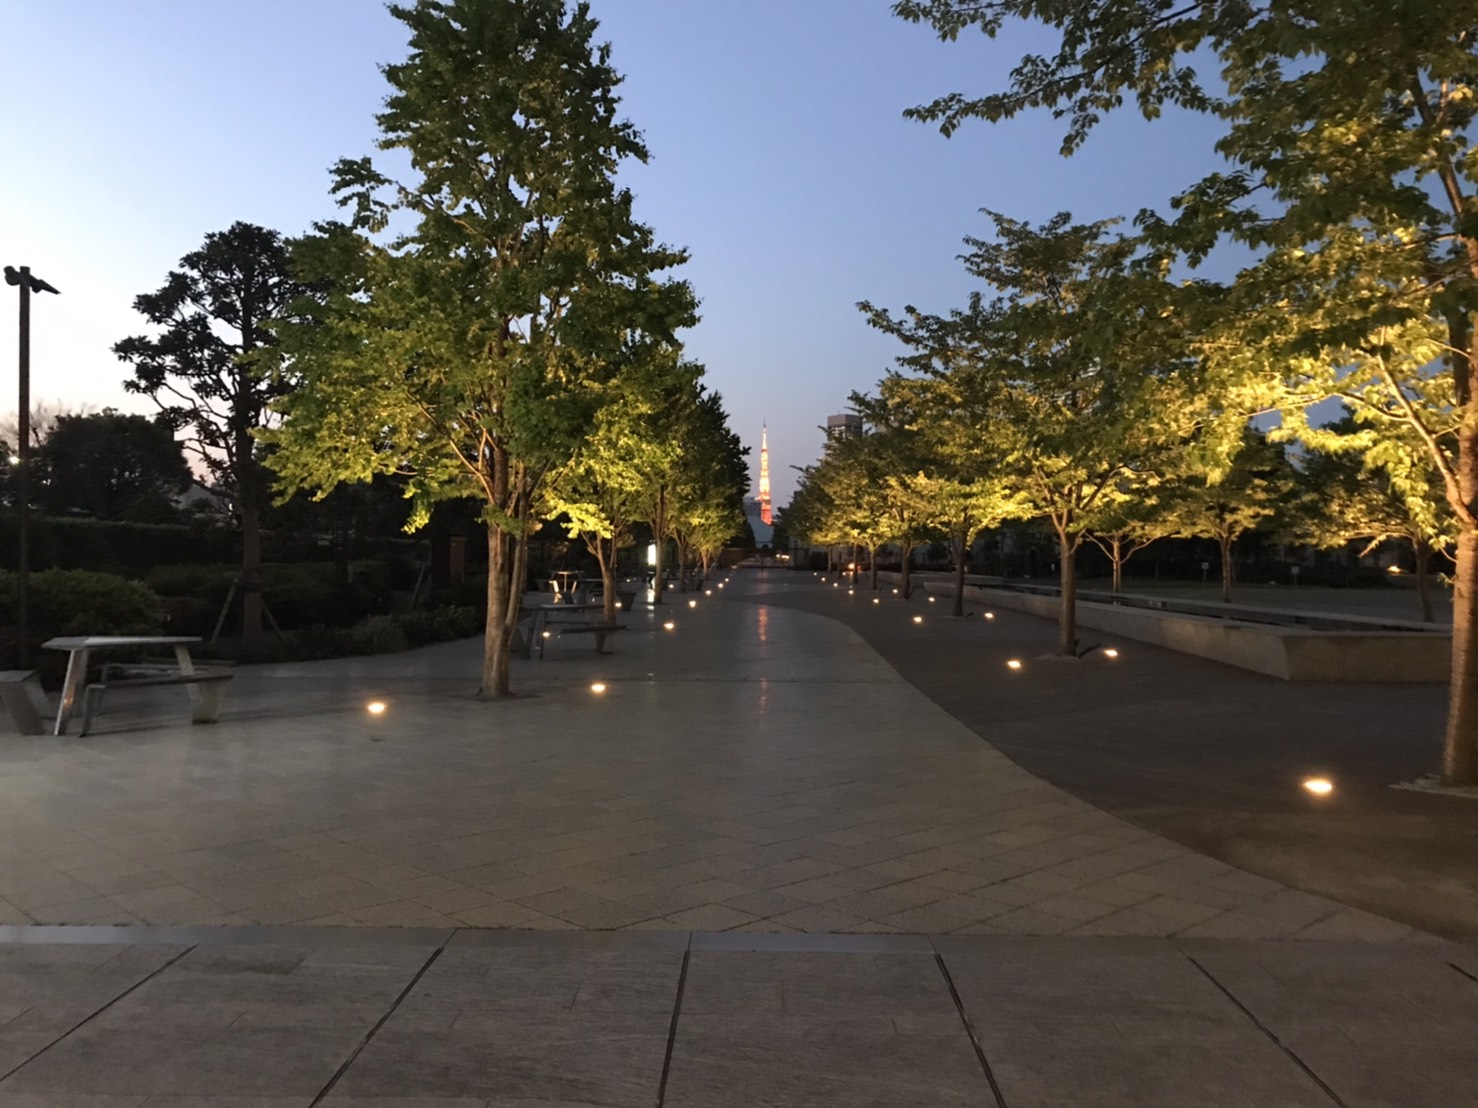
882 494
494 323
1087 370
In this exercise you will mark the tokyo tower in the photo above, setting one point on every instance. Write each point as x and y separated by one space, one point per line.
764 497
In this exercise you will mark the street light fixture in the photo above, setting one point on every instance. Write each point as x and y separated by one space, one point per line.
28 284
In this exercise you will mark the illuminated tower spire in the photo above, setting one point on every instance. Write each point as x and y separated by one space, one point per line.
764 497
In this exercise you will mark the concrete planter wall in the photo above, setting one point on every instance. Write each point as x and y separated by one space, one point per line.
1290 653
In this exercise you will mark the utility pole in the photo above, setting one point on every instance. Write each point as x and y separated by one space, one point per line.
28 284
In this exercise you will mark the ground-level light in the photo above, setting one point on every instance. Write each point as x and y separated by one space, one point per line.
1014 663
990 615
918 619
1318 786
375 707
598 688
1110 653
692 604
669 626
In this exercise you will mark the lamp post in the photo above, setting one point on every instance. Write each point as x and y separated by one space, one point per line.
28 284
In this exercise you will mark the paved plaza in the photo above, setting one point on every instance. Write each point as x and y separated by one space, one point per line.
762 868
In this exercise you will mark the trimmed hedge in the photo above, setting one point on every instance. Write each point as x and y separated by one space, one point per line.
73 602
381 634
298 595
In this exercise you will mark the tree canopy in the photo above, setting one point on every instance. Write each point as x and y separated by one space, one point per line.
110 465
481 311
202 368
1350 132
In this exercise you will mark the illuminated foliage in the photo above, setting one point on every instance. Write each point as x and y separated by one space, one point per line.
483 309
1350 128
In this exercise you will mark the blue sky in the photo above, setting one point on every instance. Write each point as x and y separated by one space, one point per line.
780 159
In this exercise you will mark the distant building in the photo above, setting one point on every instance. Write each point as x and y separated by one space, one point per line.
843 427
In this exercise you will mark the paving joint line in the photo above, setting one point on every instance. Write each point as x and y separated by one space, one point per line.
1471 977
1272 1036
985 1065
677 1008
373 1031
88 1019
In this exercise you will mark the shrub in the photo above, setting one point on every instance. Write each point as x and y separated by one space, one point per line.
377 635
200 582
81 602
441 625
189 615
73 602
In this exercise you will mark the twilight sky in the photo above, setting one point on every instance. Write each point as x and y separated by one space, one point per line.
780 159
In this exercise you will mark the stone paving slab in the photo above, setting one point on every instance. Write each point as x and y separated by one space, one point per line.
509 1018
757 769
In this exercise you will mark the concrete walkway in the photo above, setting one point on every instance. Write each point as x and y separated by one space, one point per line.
709 885
289 1018
1208 755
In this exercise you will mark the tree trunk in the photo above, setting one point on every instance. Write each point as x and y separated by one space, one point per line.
1067 613
1117 556
1226 541
873 554
251 569
906 584
961 540
1423 554
248 477
682 565
1460 756
1460 750
494 639
606 555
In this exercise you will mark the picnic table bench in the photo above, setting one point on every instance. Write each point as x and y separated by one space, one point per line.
548 621
207 688
23 700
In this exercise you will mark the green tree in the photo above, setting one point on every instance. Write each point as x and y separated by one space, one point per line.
1351 130
954 481
473 351
701 497
1071 370
1342 497
607 485
1253 491
1128 523
201 368
111 466
897 453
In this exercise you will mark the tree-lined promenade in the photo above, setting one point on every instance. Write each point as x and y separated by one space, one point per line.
1093 385
490 323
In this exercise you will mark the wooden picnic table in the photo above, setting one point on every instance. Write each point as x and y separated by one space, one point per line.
81 647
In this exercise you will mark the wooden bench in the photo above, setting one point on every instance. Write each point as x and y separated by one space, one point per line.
25 703
208 688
